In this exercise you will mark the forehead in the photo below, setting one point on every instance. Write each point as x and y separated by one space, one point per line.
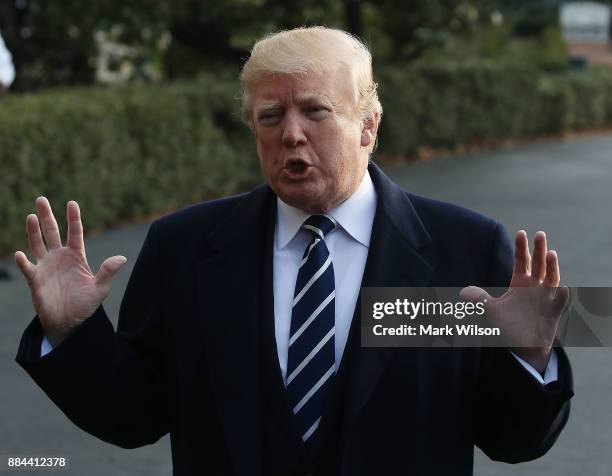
284 88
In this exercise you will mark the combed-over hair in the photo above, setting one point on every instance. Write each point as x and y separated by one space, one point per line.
308 50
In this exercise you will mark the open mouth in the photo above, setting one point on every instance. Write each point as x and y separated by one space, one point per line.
296 166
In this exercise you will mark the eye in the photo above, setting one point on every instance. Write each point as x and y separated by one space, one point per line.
269 118
316 111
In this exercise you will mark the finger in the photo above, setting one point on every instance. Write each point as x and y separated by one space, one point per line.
560 300
75 226
553 275
538 262
35 239
522 259
49 225
27 268
108 269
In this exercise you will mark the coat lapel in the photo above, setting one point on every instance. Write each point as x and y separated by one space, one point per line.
394 260
230 286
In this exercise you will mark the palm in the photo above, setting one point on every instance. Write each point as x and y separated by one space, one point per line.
528 313
64 290
63 285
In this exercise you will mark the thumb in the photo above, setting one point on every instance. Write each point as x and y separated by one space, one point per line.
474 294
27 268
560 300
108 269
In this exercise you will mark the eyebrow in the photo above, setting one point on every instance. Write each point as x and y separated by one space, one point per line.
272 105
265 106
310 95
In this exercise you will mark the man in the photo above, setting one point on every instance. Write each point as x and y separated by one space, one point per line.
7 70
239 332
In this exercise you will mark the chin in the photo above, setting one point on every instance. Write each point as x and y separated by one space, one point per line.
306 202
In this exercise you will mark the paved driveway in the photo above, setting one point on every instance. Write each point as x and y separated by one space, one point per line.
562 188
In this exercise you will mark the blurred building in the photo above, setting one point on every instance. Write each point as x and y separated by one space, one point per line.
586 30
7 69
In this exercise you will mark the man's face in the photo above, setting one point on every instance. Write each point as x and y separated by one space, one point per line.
310 142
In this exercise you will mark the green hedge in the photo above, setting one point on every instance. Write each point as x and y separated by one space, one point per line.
130 151
443 105
121 152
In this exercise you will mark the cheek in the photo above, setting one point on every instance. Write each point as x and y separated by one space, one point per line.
265 149
334 144
346 147
350 155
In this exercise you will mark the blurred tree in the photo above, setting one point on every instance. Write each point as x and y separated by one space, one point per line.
223 32
532 20
354 17
54 43
418 26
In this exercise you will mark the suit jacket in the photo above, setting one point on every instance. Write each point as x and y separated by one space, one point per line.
193 354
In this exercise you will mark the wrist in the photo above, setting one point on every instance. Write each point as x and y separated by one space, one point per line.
57 334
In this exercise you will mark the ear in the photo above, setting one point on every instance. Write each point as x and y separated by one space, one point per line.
369 128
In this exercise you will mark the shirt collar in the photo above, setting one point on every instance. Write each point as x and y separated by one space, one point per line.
355 215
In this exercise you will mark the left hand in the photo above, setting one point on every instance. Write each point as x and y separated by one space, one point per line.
528 313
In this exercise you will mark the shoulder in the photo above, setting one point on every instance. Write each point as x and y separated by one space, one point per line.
193 225
198 216
427 216
438 215
465 242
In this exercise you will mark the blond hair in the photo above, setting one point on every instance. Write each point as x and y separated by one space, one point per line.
309 50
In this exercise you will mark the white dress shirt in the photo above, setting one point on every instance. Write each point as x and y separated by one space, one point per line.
348 246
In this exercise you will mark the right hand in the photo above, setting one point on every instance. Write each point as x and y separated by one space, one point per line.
64 290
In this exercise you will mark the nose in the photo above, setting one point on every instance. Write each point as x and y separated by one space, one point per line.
293 132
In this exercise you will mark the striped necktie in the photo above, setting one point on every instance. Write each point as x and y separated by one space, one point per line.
311 356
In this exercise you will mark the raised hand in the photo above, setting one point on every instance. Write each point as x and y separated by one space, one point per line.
64 290
528 313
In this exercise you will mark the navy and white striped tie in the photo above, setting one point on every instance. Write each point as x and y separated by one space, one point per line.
311 359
